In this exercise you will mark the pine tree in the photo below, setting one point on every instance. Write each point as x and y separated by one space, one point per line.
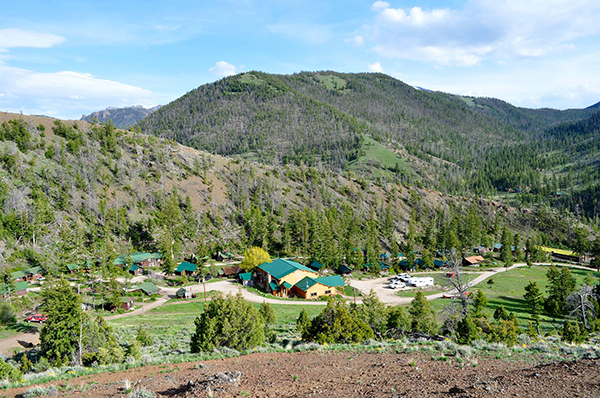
60 335
228 322
422 318
303 324
535 301
466 331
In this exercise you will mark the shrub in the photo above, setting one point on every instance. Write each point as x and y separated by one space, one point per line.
144 337
142 393
337 324
134 350
49 391
8 372
572 333
466 331
228 322
7 313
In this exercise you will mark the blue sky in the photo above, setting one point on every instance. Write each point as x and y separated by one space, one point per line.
68 58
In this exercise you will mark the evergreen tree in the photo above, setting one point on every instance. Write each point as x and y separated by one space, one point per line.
398 322
268 313
422 318
479 302
466 330
60 335
228 322
303 324
337 324
535 301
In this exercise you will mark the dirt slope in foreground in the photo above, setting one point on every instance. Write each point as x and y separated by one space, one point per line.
345 374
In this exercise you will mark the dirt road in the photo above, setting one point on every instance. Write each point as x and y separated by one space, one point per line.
388 296
9 344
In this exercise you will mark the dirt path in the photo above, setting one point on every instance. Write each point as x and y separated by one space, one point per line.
388 296
8 345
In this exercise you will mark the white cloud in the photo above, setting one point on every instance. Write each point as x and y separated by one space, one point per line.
376 67
64 93
223 69
12 38
481 30
380 5
356 41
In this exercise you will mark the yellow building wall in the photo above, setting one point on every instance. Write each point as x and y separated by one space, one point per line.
297 276
315 291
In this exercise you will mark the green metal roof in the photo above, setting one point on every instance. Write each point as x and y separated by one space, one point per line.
147 287
15 288
274 286
316 265
280 268
287 285
33 270
331 280
134 267
136 257
344 268
72 267
246 276
17 275
306 283
187 267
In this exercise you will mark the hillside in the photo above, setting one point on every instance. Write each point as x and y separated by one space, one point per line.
329 119
120 117
77 191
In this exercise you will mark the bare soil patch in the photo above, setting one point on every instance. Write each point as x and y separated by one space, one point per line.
344 374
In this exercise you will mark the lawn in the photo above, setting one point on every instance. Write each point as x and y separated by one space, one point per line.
508 290
177 316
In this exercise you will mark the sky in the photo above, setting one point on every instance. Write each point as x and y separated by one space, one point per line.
69 58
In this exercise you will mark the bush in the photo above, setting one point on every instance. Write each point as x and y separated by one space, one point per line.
572 333
337 324
50 391
144 337
142 393
7 313
466 331
8 372
134 350
228 322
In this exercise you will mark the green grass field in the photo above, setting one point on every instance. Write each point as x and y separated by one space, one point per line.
182 315
376 152
508 290
332 82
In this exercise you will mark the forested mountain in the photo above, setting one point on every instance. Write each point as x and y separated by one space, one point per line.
369 123
71 191
120 117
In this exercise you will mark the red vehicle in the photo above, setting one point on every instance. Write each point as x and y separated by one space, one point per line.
37 318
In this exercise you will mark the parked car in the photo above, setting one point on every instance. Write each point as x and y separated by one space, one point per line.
397 285
37 318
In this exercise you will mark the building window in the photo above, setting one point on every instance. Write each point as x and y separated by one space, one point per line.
313 294
327 291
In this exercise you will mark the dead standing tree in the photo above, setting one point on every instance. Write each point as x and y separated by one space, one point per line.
458 282
581 304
